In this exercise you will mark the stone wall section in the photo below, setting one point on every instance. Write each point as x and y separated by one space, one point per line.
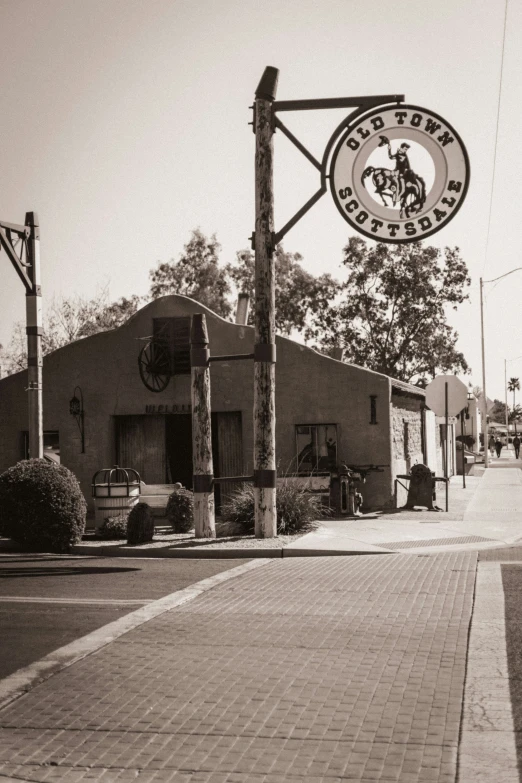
407 439
407 436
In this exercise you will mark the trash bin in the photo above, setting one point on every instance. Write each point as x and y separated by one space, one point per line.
115 491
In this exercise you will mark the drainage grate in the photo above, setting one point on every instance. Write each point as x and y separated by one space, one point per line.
433 542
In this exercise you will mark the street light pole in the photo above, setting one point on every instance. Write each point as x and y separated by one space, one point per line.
485 422
506 410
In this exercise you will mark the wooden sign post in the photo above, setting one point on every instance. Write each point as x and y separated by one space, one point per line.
264 348
343 167
203 469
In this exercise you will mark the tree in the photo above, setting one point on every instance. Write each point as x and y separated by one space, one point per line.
498 412
515 415
111 316
196 274
391 316
513 385
298 295
67 319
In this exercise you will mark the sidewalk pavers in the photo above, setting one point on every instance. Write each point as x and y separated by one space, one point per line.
316 669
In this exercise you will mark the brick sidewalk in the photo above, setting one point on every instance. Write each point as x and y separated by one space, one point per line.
321 669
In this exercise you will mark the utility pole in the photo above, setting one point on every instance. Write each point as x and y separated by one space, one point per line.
264 348
34 331
22 245
484 395
485 423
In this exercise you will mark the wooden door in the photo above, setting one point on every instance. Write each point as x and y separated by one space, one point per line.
140 445
229 451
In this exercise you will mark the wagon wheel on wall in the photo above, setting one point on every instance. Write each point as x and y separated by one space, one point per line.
154 366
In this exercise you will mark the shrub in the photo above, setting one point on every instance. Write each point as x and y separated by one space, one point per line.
113 527
297 510
180 510
467 439
42 506
140 525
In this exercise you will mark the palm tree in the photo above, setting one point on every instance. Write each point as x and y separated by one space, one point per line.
513 385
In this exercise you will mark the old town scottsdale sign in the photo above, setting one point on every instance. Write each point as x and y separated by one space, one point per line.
399 173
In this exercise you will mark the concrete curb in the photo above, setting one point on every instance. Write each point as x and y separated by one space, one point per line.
202 553
188 552
287 552
487 748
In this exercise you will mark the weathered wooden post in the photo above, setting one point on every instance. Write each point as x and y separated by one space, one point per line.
264 349
34 339
202 466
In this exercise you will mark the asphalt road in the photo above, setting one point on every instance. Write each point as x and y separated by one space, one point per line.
49 601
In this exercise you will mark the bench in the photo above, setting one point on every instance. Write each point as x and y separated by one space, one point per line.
156 496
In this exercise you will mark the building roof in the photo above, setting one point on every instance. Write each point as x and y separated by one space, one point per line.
407 389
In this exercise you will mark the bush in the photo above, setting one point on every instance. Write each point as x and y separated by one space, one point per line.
180 510
42 506
113 527
297 510
140 525
468 440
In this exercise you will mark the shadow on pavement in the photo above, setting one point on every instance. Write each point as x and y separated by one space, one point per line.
13 573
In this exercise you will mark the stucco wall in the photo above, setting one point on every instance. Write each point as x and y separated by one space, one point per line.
310 389
431 440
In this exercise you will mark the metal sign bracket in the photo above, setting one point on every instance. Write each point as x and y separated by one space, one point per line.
16 250
360 106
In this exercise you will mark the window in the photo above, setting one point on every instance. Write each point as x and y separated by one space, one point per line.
316 447
176 334
51 441
373 409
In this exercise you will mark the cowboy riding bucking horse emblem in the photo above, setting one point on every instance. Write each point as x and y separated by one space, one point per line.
401 185
398 173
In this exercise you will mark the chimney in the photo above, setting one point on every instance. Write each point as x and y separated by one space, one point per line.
243 305
337 353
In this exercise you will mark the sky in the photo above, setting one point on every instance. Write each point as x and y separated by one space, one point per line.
124 125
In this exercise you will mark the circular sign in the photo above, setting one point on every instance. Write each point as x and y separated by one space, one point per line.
399 173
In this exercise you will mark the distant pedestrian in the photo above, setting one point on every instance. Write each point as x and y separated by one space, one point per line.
516 446
491 445
498 446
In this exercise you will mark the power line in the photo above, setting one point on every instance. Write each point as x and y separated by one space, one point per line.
496 137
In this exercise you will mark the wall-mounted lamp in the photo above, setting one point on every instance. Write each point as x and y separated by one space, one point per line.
76 410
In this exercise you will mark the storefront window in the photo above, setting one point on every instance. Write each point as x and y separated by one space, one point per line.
51 441
316 448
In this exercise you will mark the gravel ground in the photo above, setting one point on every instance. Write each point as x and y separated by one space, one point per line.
187 540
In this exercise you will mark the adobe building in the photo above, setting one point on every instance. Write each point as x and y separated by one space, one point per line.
326 410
